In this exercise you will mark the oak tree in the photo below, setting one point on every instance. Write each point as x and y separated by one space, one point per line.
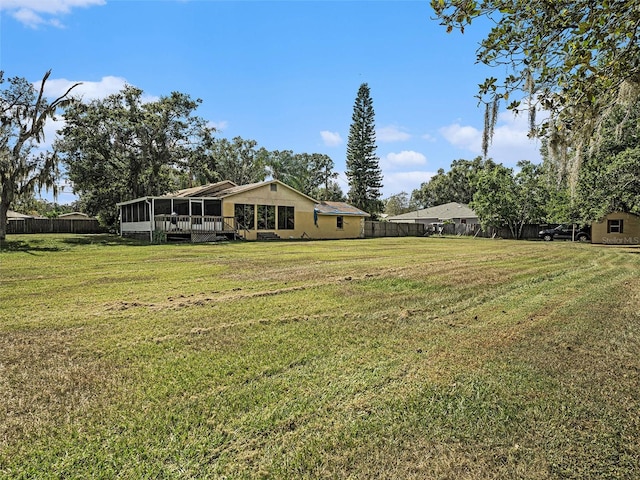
575 59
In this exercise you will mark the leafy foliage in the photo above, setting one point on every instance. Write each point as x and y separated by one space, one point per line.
610 176
573 59
122 147
23 113
309 173
456 185
363 169
238 160
399 203
502 198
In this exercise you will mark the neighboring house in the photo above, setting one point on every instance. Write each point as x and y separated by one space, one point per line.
75 216
263 210
617 228
11 215
448 212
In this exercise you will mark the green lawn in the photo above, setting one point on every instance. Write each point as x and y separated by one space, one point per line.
421 358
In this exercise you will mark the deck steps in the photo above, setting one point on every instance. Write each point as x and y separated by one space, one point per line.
263 236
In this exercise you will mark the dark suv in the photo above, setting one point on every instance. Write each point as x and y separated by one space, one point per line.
566 232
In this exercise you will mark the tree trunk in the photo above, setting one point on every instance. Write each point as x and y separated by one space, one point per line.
4 207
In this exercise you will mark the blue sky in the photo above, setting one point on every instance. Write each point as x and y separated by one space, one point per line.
283 73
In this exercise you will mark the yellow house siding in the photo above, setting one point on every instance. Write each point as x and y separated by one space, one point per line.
630 232
303 207
283 197
352 227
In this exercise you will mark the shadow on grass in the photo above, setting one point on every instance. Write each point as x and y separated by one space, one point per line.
105 239
25 247
34 244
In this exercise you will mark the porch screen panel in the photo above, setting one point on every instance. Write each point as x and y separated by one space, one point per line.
181 207
266 217
286 218
162 206
145 211
196 211
213 208
245 215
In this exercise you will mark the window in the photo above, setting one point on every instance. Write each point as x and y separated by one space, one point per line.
340 223
245 215
614 226
266 217
463 221
286 218
274 187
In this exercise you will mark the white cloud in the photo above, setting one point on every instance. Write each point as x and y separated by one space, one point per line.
87 90
392 133
219 126
466 137
404 181
510 142
428 137
28 17
331 139
33 13
406 158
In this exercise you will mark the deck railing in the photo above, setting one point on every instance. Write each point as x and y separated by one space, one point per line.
195 224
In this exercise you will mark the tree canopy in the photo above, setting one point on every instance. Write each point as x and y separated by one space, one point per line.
121 148
609 179
23 114
575 59
503 197
456 185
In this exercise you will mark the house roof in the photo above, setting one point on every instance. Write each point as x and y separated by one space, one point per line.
208 190
446 211
227 189
74 214
17 215
252 186
339 208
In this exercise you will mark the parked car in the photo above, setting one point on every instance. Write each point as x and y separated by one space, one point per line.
566 232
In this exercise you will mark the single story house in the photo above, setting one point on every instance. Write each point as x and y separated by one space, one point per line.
449 212
75 216
11 215
263 210
617 228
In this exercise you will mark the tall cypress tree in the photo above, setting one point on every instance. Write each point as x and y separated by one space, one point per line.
363 169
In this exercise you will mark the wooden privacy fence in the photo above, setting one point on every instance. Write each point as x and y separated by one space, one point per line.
474 230
53 225
390 229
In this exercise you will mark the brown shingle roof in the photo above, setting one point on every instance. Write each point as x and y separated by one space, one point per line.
208 190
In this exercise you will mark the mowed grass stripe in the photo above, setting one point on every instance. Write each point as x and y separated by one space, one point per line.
393 358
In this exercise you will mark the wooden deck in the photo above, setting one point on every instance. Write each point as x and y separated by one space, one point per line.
197 226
